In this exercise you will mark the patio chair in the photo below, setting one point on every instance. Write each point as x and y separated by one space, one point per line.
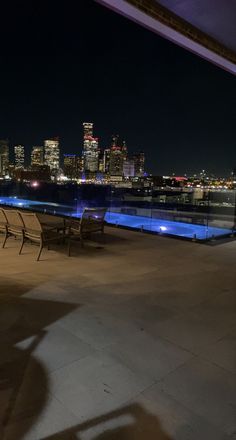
37 232
92 220
14 227
3 223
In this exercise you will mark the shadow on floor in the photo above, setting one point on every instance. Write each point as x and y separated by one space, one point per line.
131 422
22 318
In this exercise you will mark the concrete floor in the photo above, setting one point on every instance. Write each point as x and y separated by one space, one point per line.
131 340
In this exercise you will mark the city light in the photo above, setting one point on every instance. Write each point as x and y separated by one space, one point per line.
35 184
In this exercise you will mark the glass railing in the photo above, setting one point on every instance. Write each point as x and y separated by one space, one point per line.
191 213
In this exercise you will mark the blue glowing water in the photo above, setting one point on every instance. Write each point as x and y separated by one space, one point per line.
180 229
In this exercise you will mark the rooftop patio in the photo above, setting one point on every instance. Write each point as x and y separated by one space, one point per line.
131 339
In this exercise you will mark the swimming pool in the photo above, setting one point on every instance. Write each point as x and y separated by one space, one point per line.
137 222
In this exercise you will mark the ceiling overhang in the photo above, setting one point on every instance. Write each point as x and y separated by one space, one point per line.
159 19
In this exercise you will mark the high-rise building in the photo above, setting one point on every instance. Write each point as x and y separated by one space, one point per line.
19 152
4 157
118 154
37 156
52 153
139 161
116 161
70 165
100 160
106 160
90 150
80 165
19 156
88 129
128 168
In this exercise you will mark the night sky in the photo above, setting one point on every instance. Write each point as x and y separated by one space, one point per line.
61 65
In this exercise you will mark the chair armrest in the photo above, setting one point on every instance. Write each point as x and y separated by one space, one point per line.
48 227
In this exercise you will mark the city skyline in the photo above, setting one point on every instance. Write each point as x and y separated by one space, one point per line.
35 154
177 108
92 159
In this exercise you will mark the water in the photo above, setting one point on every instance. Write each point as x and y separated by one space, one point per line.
164 227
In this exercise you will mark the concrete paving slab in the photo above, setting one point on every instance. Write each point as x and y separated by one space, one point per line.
151 357
207 390
96 385
190 331
222 352
178 421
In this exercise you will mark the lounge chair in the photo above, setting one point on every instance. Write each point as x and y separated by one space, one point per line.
14 227
92 220
38 232
3 223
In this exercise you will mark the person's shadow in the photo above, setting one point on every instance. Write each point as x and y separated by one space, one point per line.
144 427
139 425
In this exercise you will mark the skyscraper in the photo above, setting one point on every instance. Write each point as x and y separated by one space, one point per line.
52 153
37 156
19 152
88 129
70 165
80 165
106 160
118 155
100 160
128 168
90 150
139 161
4 157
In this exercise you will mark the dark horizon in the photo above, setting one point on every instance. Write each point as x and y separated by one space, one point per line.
61 66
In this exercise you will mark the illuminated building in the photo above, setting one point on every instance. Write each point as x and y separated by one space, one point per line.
88 128
37 156
19 151
128 168
139 161
116 161
70 165
80 165
52 153
90 150
106 160
11 170
118 155
101 168
4 157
